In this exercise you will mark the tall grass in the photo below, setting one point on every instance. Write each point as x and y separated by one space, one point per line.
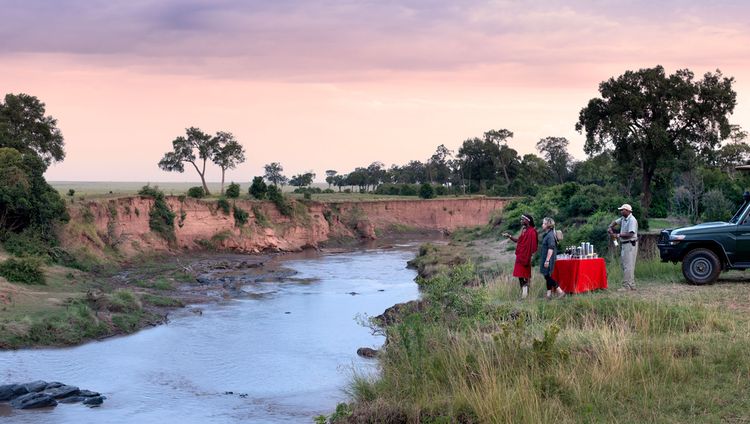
477 354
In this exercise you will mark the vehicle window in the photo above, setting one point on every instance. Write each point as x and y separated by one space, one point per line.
741 214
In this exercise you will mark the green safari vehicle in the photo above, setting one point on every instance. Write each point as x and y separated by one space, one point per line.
707 249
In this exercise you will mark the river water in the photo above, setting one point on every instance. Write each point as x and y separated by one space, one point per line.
283 354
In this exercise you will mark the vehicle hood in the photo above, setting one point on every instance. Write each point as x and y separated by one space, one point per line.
706 227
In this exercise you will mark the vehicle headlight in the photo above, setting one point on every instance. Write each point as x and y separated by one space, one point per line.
676 239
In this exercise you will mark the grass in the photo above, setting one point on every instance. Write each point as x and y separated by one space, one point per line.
111 189
75 306
668 353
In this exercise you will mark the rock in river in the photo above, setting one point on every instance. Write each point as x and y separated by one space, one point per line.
40 394
367 352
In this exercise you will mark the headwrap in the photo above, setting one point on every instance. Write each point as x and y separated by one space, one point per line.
528 218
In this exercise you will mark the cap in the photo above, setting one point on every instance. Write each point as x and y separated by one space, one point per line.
626 206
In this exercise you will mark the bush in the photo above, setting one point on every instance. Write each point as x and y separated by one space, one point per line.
240 216
258 189
29 242
407 190
26 200
426 191
282 204
441 190
196 192
223 204
71 192
23 270
160 217
233 191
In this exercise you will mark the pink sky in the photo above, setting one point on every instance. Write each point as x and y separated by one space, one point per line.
340 84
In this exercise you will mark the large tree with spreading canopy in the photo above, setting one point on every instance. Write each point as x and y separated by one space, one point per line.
196 148
647 117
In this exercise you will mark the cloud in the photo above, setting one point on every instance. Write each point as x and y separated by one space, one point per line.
331 40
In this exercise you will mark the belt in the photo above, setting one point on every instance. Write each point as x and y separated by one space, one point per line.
633 242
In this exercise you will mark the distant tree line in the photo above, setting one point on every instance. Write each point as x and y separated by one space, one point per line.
662 141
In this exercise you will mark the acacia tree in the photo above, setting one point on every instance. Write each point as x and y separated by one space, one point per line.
227 153
330 176
24 127
555 152
302 180
184 151
274 174
648 117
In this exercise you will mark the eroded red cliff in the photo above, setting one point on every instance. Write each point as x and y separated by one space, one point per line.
123 223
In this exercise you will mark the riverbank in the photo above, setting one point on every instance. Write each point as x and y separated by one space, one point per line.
118 298
125 272
75 306
281 352
472 352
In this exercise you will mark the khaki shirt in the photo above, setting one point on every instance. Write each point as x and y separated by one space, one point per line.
628 225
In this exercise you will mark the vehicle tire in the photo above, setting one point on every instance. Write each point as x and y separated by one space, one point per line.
701 266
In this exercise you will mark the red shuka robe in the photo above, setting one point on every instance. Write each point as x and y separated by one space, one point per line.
525 248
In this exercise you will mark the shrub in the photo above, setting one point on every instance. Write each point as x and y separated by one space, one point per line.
160 217
282 204
426 191
233 191
23 270
240 216
196 192
223 204
407 190
261 218
29 242
441 190
258 189
71 192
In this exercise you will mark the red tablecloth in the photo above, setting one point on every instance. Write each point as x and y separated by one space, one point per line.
580 275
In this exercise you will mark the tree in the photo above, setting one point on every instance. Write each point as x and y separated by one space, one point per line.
24 127
555 152
26 200
733 154
184 150
536 173
330 177
340 181
302 180
478 159
506 156
648 117
375 174
258 188
227 153
437 167
274 174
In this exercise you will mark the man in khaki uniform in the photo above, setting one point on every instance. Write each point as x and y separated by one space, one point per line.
628 237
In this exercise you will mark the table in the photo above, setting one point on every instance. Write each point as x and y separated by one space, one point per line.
580 275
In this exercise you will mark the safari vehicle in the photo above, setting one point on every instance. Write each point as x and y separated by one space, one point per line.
707 249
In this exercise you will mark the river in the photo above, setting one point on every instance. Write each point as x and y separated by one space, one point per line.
285 353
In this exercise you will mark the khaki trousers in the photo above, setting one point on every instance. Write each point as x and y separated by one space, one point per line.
627 260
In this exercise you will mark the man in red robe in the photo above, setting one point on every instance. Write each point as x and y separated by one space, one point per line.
526 245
